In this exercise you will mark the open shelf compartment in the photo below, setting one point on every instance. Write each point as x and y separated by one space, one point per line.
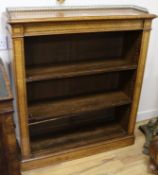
60 56
72 106
58 136
67 97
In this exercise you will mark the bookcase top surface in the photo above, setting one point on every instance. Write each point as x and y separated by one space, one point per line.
44 14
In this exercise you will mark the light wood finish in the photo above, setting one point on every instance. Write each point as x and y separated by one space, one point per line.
74 21
19 74
25 15
119 162
140 73
83 64
80 27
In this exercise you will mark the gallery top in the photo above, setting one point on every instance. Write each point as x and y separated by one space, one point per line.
47 14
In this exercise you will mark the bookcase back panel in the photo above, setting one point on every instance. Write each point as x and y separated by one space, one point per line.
72 48
66 88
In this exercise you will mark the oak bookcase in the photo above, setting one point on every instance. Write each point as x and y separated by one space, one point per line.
78 75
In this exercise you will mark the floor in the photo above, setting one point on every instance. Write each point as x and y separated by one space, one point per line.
125 161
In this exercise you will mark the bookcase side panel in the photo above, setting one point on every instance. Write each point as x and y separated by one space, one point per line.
19 71
140 74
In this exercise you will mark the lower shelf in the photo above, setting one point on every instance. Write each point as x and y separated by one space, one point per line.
49 159
61 142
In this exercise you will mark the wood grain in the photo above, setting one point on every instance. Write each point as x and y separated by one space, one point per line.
21 94
60 143
66 108
72 27
49 14
139 78
51 72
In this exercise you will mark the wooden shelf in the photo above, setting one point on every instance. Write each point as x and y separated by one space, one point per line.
59 143
74 106
86 68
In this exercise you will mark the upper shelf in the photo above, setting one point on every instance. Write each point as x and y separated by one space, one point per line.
24 15
65 71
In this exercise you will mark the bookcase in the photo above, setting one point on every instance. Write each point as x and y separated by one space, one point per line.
78 75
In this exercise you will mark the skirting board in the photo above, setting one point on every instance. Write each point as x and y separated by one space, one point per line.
145 115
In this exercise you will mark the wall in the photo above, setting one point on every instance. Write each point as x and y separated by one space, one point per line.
149 97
